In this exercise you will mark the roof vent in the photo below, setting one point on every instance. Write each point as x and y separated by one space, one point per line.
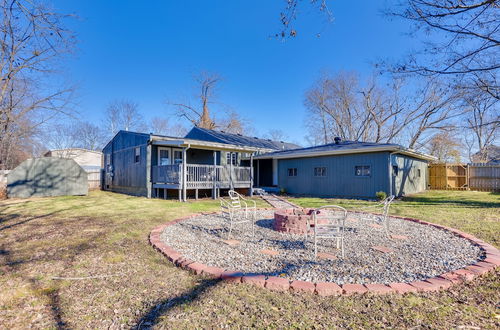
337 140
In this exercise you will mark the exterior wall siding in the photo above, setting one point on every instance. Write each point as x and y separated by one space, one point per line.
407 181
128 176
340 179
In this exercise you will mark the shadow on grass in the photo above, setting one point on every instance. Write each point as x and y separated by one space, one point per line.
436 201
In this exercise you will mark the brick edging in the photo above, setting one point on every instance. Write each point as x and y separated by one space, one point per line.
437 283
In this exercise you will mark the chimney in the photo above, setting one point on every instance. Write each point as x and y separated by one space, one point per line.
337 140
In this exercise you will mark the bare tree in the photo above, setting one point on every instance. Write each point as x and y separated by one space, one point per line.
89 136
445 147
276 135
483 121
162 126
290 13
342 106
461 41
32 41
200 115
123 115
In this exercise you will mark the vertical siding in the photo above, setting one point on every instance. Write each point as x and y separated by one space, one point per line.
407 181
340 179
128 177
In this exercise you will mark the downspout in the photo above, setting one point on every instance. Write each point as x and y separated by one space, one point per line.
390 173
184 172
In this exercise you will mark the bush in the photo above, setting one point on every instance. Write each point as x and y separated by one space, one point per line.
381 195
3 191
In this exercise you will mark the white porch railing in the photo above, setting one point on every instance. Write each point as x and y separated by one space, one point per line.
203 176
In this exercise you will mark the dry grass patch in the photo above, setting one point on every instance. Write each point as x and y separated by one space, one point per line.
123 282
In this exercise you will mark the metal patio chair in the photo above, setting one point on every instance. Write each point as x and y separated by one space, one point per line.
383 218
333 228
237 210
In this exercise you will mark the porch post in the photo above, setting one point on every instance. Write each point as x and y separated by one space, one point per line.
184 175
231 172
149 184
251 174
214 189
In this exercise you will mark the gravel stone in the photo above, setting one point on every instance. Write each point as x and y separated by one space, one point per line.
427 252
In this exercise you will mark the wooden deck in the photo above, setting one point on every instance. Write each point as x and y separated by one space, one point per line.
201 176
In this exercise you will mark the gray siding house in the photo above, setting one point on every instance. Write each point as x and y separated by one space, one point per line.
346 169
209 161
203 161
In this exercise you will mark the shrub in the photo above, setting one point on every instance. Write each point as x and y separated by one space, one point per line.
381 195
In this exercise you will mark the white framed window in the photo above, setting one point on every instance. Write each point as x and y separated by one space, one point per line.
292 172
177 158
362 170
108 159
232 158
320 171
137 154
163 156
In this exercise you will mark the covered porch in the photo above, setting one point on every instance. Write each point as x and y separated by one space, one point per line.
187 167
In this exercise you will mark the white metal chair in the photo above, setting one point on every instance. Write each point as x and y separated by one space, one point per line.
333 228
235 208
384 205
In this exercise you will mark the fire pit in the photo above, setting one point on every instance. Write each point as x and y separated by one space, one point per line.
293 221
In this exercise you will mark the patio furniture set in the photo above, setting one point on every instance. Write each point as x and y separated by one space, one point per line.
326 222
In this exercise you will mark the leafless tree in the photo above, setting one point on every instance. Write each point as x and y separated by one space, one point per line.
89 136
276 135
32 41
123 115
162 126
445 147
202 115
341 106
483 121
290 13
461 39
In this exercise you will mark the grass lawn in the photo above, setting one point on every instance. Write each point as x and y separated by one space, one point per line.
115 279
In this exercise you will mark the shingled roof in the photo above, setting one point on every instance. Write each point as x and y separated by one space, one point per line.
203 134
344 147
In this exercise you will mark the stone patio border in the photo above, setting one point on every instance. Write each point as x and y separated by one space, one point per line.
274 283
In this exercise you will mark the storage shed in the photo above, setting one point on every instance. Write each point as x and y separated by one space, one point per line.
48 176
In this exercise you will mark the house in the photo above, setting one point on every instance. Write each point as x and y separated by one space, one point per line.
153 166
203 161
345 169
89 160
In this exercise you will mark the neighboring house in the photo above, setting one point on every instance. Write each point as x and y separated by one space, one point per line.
345 169
153 166
89 160
491 155
161 166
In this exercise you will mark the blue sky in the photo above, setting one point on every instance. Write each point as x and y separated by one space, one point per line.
148 51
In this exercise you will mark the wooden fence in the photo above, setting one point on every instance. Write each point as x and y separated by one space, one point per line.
94 178
481 177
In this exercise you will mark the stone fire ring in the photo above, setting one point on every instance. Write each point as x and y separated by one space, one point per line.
437 283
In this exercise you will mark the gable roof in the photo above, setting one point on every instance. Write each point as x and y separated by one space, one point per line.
344 147
198 133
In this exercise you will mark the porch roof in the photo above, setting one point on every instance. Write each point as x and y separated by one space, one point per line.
199 144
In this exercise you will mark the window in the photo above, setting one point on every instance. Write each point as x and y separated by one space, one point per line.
137 154
395 170
418 173
177 157
108 159
292 172
320 171
362 170
163 156
232 158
